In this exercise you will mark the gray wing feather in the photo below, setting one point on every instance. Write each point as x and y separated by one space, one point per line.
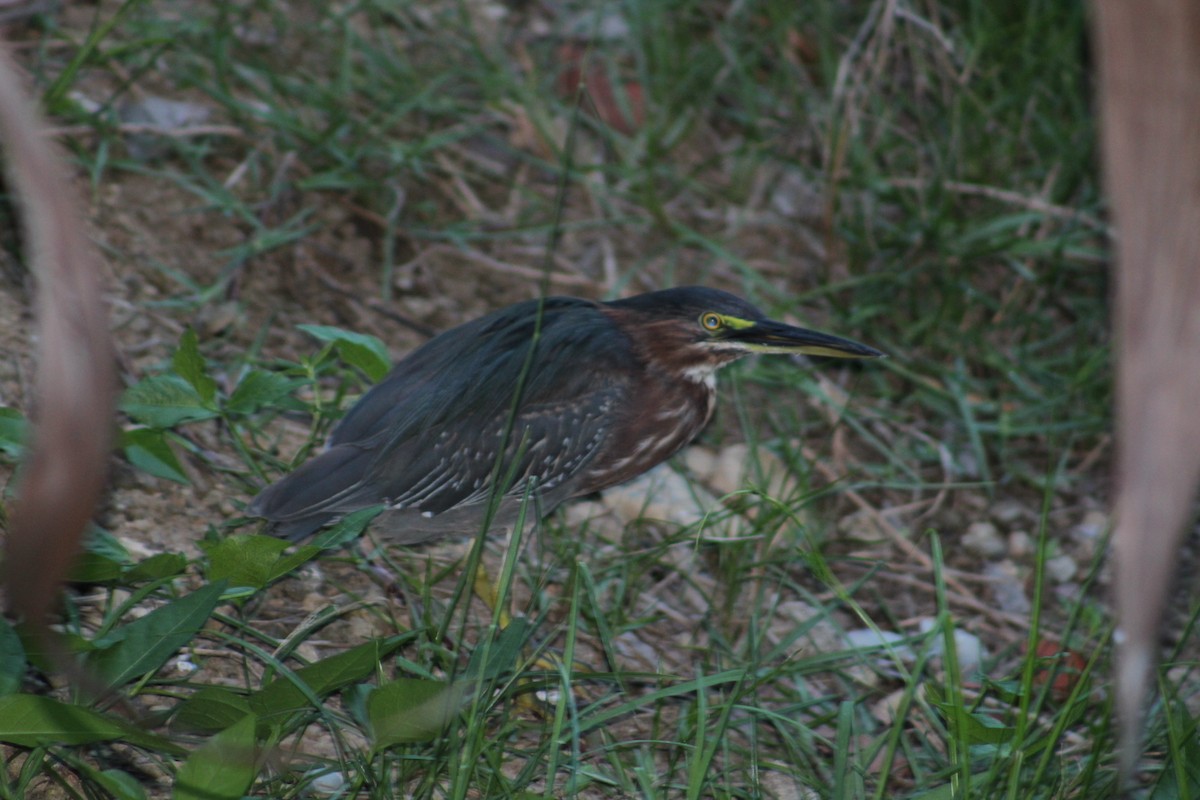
426 438
547 448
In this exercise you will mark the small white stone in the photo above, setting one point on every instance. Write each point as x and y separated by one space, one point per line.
967 646
1006 588
328 783
661 494
184 665
1061 568
867 638
1006 512
1089 534
1091 527
983 539
548 696
1021 544
886 710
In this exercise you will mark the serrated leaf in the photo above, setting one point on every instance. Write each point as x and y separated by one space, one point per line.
412 710
145 644
258 389
103 559
164 401
30 721
103 543
282 695
254 561
359 350
148 450
223 767
190 365
213 708
14 429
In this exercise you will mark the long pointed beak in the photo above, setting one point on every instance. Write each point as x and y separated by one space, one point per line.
768 336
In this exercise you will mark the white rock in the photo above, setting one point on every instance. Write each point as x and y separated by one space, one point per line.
983 539
885 710
1007 589
739 467
1092 527
968 647
783 785
660 494
1021 544
1061 568
1006 512
867 638
1089 534
328 783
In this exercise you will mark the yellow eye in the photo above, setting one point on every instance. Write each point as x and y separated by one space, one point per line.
711 321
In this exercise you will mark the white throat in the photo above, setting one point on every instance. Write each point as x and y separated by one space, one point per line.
702 373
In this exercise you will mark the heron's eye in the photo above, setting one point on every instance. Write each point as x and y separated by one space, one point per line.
711 321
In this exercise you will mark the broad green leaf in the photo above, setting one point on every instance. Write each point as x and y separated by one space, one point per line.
148 450
347 529
252 560
156 567
490 662
145 644
13 430
45 655
356 349
190 365
12 658
354 701
223 767
981 728
120 785
30 721
95 568
213 708
258 389
164 401
412 710
283 696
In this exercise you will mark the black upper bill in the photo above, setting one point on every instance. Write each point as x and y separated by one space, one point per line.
770 336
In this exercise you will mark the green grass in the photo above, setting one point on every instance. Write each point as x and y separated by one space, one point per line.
925 183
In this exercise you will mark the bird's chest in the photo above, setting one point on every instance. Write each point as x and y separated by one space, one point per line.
660 417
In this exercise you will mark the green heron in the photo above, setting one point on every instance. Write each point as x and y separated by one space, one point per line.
549 400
